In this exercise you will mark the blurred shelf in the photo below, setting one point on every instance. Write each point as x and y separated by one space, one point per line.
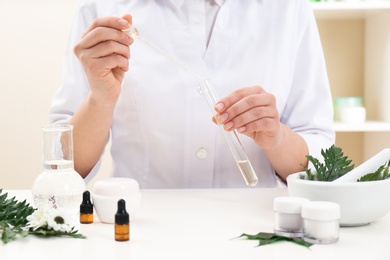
368 126
349 10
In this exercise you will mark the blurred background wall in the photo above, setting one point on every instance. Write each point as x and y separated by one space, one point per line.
33 37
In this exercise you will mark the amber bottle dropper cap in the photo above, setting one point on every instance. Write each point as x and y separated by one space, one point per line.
86 209
122 228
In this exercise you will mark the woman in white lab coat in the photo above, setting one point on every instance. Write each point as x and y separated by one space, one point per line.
264 58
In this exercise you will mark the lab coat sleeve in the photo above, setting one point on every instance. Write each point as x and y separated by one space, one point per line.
309 110
75 86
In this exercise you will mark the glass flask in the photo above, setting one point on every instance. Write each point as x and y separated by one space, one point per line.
59 186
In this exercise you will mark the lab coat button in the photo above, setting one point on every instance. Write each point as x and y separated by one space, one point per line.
201 153
196 20
200 91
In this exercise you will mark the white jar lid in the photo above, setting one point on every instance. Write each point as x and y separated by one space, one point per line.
116 187
292 205
321 210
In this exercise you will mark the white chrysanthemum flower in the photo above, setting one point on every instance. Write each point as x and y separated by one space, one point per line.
37 219
50 218
60 220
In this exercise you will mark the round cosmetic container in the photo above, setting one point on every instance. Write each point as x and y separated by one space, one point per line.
349 110
288 219
321 222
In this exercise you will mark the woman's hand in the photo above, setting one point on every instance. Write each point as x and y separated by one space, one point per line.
104 53
253 112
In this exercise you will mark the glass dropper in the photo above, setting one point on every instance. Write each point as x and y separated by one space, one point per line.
231 137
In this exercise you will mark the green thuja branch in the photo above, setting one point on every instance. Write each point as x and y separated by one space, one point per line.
13 216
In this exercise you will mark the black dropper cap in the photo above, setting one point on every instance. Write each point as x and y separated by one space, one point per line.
86 206
121 216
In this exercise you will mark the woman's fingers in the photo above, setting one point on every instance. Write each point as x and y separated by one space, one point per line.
247 110
104 52
109 22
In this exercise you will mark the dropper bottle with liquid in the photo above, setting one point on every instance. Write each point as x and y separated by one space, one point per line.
206 86
122 222
86 209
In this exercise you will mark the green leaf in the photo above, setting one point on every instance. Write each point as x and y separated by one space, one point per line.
382 173
50 232
265 238
334 166
13 216
8 234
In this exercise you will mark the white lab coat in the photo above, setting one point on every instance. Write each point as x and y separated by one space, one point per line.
162 133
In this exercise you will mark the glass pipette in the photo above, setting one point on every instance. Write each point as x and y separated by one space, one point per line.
231 137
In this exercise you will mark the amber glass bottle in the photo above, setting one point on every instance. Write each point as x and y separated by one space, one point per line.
86 209
122 226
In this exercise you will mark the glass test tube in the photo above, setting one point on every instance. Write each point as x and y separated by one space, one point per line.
231 138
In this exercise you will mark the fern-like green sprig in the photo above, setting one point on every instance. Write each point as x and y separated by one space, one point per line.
382 173
335 165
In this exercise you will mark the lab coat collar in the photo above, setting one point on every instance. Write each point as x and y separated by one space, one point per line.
179 3
219 2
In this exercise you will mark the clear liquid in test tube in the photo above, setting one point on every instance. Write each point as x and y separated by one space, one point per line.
206 86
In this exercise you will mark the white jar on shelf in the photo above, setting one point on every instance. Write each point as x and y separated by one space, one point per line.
349 110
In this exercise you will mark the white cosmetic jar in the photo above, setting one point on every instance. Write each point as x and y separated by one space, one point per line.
288 219
107 192
352 114
349 110
321 222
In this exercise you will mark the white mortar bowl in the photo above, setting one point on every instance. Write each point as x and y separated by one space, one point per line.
106 194
360 202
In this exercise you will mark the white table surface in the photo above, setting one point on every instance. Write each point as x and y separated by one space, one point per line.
199 224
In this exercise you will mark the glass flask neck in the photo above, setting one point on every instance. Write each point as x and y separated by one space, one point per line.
58 147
